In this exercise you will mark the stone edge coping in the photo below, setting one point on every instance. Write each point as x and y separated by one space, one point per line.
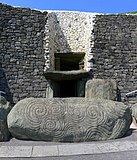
66 149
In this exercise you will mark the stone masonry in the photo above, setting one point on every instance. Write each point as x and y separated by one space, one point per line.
115 50
69 33
30 38
22 53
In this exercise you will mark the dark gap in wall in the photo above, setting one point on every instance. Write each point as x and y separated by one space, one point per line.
4 88
67 88
69 61
68 65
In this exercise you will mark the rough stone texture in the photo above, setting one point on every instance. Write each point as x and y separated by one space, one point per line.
22 63
30 38
75 119
5 107
134 111
131 97
68 33
66 75
115 50
101 88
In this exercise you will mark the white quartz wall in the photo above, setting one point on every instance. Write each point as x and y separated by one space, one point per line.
71 32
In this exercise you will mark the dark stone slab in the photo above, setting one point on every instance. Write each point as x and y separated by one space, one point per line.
4 110
66 75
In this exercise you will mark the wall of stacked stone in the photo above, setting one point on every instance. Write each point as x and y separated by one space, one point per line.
115 50
29 39
22 52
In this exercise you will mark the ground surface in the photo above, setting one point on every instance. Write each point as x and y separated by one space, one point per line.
120 149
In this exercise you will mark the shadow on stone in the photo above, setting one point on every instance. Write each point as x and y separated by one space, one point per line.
128 133
4 88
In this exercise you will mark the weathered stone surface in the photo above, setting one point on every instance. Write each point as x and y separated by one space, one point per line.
101 88
69 31
22 52
75 119
134 111
4 110
66 75
115 40
29 40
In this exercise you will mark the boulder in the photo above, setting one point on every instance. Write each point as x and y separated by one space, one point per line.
69 119
4 110
101 88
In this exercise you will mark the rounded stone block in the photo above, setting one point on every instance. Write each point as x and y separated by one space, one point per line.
101 88
69 119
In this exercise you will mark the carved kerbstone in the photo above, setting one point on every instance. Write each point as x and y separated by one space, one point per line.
101 88
4 110
69 119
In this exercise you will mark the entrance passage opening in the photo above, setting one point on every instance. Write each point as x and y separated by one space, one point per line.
69 61
68 78
67 88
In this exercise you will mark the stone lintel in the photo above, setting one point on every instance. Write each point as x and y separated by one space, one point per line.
66 75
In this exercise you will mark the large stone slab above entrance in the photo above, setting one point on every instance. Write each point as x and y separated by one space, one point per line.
66 75
69 119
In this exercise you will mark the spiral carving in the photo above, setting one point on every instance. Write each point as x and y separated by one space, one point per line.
34 113
75 119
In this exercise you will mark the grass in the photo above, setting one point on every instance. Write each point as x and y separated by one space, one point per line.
135 12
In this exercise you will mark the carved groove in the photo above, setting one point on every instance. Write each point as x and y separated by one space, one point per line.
70 119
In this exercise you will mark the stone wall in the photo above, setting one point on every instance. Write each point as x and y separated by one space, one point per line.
30 38
49 43
22 52
71 32
115 50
